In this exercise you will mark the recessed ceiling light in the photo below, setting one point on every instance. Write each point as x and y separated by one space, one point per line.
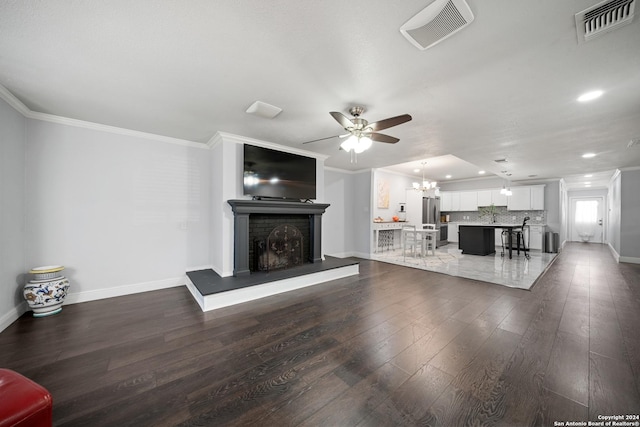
588 183
481 172
588 155
448 176
416 170
588 175
590 96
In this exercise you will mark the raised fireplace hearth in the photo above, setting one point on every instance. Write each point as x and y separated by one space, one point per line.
275 216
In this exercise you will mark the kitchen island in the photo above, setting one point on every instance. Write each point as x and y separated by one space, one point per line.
480 239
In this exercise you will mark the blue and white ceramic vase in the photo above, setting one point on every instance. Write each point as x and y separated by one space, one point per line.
46 292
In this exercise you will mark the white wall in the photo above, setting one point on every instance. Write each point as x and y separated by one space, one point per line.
630 216
338 222
122 213
397 185
613 203
362 213
12 212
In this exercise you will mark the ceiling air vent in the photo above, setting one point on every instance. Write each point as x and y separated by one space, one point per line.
439 20
603 18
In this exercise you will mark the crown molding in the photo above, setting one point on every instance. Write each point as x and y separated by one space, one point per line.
346 171
238 139
630 168
14 102
19 106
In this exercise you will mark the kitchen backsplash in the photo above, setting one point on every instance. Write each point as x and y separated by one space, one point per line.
502 216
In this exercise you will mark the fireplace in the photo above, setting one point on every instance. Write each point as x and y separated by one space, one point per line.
248 213
278 241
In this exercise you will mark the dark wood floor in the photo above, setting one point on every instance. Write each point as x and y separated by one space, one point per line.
392 346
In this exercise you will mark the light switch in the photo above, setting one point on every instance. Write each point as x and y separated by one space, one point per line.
538 218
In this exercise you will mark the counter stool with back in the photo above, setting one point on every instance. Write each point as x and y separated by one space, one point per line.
519 237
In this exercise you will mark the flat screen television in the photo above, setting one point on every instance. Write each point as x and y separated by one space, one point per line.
276 174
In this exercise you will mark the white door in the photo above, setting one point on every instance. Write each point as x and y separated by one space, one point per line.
587 219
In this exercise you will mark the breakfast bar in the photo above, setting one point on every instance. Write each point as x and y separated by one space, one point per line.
480 239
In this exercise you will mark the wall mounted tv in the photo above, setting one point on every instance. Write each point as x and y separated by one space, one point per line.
276 174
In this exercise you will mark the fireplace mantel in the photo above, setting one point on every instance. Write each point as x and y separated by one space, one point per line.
243 208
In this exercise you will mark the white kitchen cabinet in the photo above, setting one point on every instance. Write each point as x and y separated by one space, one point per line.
537 198
484 198
468 200
536 233
526 198
445 201
497 198
455 202
453 232
520 200
449 201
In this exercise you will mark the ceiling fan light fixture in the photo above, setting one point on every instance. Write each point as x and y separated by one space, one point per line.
349 143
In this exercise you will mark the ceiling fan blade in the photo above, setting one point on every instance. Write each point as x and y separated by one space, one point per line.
380 137
342 119
390 122
322 139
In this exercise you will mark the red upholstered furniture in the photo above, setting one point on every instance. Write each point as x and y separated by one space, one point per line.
22 402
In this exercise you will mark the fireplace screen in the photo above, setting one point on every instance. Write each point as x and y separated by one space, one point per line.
282 249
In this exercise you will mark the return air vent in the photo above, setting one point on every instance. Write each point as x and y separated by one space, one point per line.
438 21
603 18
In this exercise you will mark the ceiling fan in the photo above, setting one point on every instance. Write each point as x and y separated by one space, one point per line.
361 133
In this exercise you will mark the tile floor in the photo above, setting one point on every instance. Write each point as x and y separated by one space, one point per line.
518 272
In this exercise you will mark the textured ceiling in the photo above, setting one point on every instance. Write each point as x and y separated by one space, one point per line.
506 86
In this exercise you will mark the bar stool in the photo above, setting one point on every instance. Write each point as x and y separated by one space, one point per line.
430 238
518 236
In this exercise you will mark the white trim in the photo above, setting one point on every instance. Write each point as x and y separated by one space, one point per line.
199 267
362 255
195 293
615 254
329 168
630 259
12 315
78 297
14 102
630 168
238 139
251 293
114 129
342 255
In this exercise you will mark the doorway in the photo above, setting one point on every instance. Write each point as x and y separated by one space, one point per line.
587 219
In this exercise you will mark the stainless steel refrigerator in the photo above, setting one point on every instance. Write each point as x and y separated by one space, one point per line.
431 215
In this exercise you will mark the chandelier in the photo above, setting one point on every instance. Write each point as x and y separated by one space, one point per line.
426 184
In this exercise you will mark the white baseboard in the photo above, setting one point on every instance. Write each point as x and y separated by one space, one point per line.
615 254
12 315
627 259
77 297
630 259
199 267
